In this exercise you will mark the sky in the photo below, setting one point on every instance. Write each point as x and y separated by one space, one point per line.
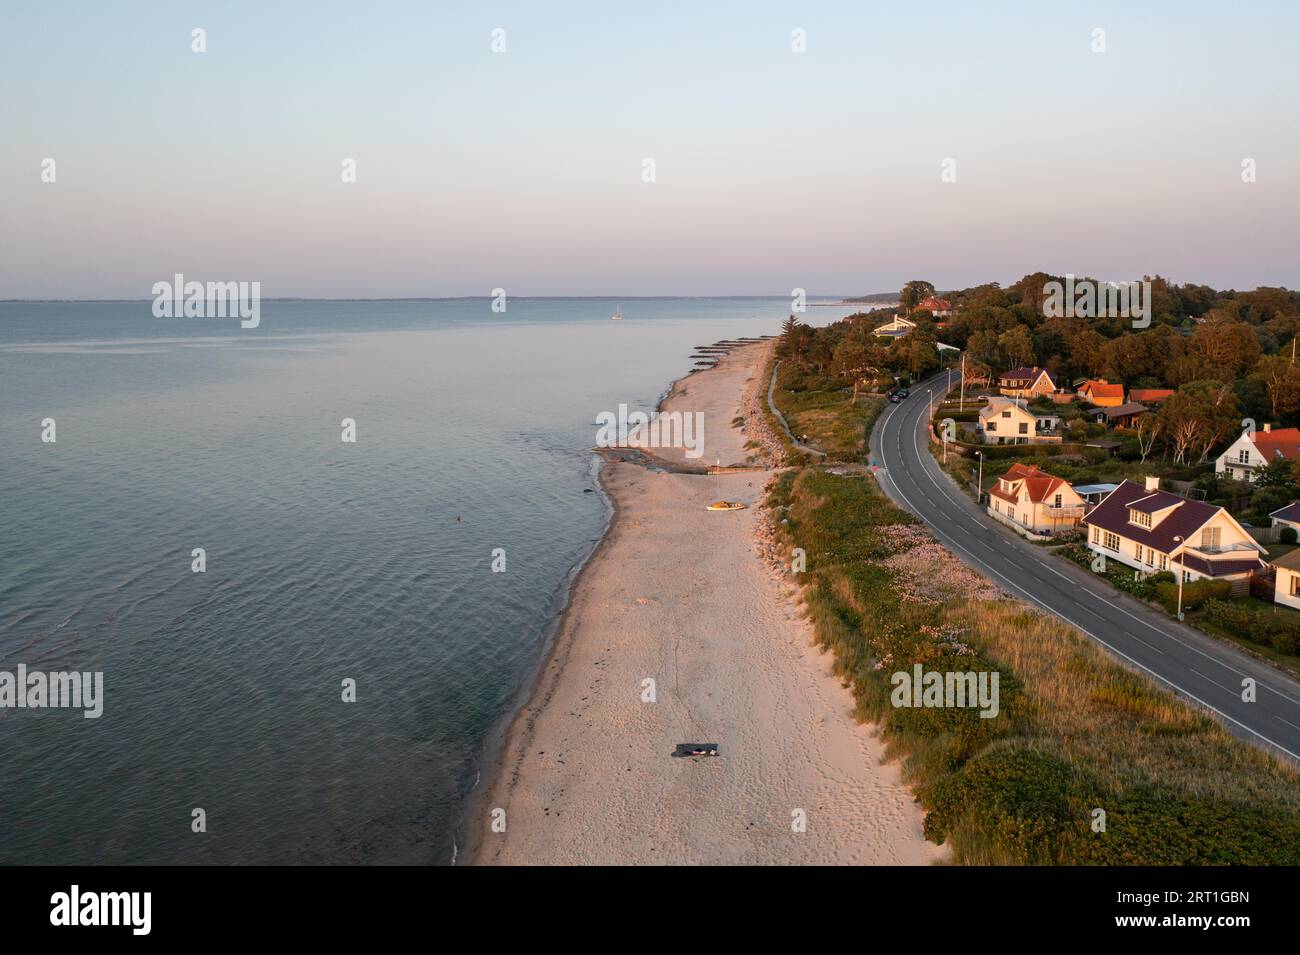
525 169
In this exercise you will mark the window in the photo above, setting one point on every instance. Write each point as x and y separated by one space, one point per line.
1138 553
1210 538
1295 585
991 426
1111 541
1151 556
1164 561
1056 501
1243 457
1006 414
1096 535
1138 518
1024 428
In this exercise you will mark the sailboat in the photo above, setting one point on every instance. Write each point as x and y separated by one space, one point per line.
618 314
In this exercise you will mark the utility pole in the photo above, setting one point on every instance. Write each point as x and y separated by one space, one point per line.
961 400
1178 540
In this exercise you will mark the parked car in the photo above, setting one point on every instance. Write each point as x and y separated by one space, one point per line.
902 392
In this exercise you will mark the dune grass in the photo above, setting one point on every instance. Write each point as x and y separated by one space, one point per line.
824 410
1075 732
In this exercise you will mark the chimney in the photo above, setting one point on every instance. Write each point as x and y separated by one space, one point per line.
1268 428
1153 483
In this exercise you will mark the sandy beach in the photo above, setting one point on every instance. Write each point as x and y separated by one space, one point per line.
683 597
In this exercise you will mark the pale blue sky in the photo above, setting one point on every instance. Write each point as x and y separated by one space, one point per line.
523 170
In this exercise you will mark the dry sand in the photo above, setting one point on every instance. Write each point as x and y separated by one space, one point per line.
680 595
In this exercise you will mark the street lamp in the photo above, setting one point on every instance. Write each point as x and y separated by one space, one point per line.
1178 540
979 486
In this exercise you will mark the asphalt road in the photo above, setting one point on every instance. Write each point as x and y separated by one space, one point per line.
1198 667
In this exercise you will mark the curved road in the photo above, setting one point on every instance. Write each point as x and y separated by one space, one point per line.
1197 667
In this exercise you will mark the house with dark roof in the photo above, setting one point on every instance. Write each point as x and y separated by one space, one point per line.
1034 502
1120 416
1254 449
1288 516
1286 585
1152 530
1026 383
1101 393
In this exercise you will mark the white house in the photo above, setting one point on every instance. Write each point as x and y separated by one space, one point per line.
1152 530
1288 516
1286 587
897 328
1007 421
1255 449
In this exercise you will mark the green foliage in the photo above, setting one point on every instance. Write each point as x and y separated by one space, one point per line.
1276 627
1014 790
1288 535
1195 594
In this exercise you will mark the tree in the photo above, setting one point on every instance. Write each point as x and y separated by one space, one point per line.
1016 348
1282 379
1197 417
1148 428
914 292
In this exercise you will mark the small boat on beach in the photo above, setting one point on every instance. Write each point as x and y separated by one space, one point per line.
725 506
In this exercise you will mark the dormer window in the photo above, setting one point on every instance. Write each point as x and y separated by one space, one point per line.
1139 518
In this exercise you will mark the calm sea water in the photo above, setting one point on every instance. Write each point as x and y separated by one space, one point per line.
325 560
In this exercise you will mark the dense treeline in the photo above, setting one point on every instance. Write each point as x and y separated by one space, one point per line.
1235 346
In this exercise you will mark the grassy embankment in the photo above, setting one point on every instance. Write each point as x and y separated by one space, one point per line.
822 409
1075 733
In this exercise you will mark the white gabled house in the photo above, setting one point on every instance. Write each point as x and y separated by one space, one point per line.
1152 530
897 328
1250 452
1008 421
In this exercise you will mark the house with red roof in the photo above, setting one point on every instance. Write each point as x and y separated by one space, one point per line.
1149 396
1034 502
1101 393
1254 449
938 307
1151 530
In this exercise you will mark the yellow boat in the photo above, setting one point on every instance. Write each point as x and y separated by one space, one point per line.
725 506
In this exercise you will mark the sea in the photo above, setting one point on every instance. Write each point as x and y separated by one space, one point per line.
309 646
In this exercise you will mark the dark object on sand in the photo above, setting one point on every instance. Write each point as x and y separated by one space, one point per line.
696 749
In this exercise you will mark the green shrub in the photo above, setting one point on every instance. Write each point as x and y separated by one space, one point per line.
1195 594
1288 535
